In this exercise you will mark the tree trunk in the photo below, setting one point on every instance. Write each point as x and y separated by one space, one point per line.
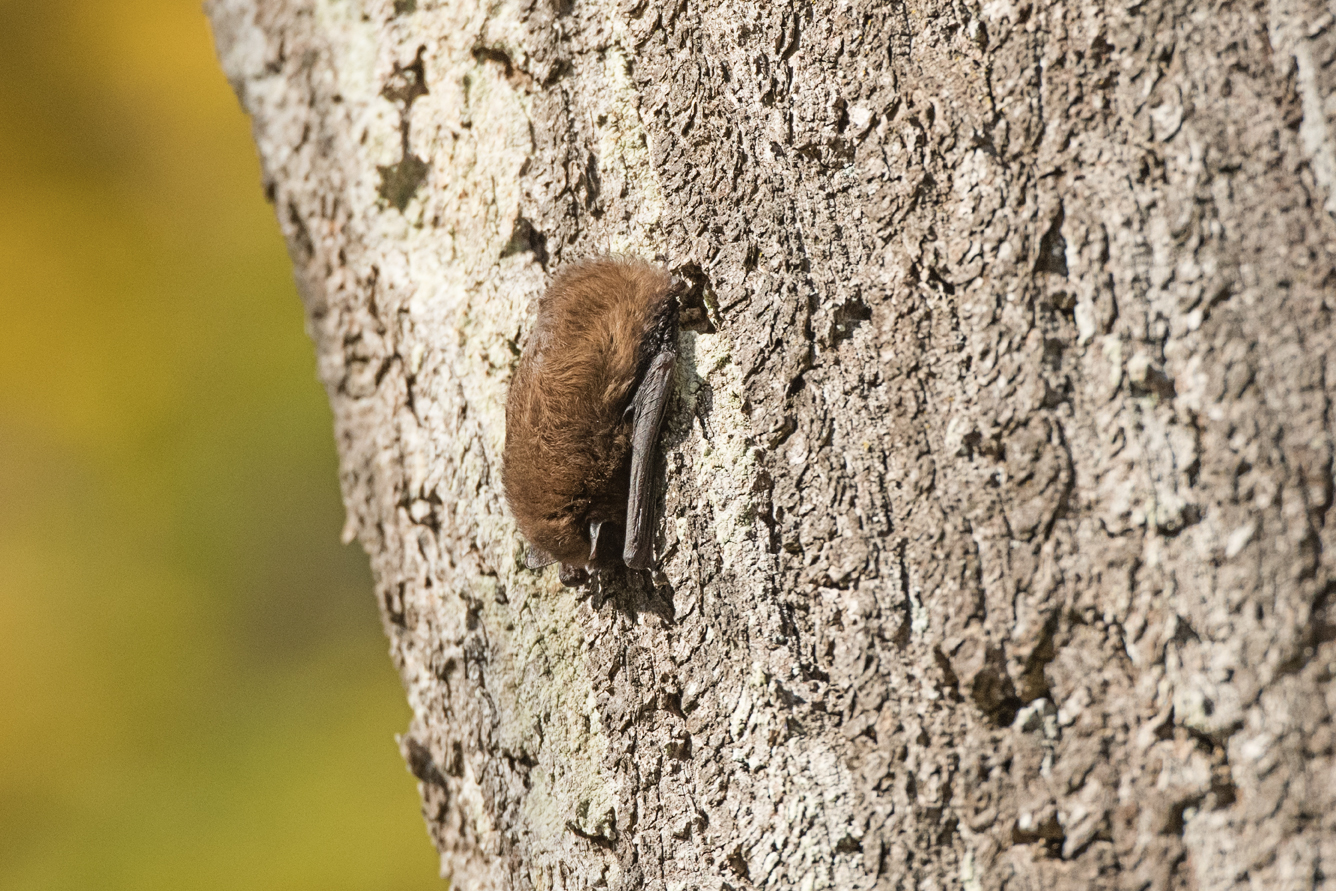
996 547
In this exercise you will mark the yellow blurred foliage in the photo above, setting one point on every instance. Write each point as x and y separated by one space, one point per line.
193 680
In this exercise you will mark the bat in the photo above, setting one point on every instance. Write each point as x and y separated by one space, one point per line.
583 416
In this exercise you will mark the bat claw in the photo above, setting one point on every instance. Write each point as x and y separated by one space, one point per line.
594 529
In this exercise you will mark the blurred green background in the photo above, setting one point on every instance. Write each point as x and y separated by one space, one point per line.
194 686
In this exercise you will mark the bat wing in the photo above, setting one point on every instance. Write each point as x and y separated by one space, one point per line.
651 402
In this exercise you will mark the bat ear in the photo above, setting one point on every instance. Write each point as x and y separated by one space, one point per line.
537 559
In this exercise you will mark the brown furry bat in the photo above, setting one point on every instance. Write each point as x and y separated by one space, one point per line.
583 416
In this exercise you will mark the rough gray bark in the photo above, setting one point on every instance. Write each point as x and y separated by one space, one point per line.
997 547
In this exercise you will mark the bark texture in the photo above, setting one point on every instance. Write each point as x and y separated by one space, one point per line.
998 536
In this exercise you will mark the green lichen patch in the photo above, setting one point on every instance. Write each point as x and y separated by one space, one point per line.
399 182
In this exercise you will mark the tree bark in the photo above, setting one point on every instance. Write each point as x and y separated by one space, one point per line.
997 492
